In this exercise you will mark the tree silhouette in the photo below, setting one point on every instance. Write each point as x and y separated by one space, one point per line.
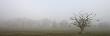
82 20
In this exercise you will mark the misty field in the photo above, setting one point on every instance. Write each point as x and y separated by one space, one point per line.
53 34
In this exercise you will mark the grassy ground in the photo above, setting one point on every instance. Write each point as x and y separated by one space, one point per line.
52 34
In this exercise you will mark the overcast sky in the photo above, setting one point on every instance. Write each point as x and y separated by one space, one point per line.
54 9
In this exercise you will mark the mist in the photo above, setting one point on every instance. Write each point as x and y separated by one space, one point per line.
51 15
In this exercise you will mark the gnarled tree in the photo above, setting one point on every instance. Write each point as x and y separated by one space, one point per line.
82 20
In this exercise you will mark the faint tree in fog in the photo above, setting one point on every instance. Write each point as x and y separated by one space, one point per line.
82 20
63 23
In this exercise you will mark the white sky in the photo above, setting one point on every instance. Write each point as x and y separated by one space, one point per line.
54 9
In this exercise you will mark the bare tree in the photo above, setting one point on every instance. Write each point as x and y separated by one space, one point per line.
82 20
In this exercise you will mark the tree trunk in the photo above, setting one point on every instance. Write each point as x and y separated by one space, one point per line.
81 30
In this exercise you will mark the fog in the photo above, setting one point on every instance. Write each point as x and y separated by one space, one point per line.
32 15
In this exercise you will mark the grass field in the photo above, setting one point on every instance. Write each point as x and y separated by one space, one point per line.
53 34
